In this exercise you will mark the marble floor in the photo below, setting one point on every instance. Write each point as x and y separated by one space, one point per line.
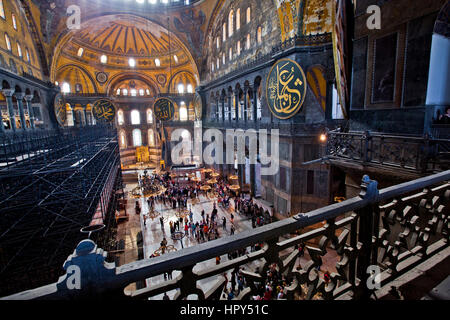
153 235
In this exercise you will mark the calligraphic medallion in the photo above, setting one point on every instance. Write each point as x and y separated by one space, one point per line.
60 109
285 89
104 110
164 109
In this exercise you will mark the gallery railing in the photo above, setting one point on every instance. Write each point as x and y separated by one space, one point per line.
394 229
419 154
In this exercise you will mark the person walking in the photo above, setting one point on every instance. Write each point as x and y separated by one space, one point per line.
232 230
224 223
186 229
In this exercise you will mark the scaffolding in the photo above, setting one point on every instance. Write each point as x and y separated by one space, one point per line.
53 183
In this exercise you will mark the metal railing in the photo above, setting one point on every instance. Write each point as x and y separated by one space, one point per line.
395 229
413 153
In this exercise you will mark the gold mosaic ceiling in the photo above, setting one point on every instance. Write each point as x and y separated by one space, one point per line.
126 36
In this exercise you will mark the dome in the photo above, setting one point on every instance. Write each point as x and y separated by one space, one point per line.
122 37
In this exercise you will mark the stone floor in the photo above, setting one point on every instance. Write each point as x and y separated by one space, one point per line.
153 235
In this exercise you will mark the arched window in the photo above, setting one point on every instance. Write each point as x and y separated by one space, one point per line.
14 22
181 88
141 92
238 48
125 92
230 23
80 52
149 116
19 50
224 31
223 58
247 45
118 92
218 64
259 35
231 53
103 59
249 15
137 138
151 138
135 117
133 92
120 117
218 43
123 140
27 54
190 89
238 19
2 10
65 87
183 112
8 42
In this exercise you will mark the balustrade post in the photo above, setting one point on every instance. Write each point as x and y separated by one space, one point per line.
366 149
369 192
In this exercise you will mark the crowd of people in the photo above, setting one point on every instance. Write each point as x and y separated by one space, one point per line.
209 226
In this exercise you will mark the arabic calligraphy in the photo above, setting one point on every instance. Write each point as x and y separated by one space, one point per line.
60 110
164 109
286 89
104 110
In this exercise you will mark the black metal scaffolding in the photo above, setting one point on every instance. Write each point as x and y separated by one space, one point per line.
52 183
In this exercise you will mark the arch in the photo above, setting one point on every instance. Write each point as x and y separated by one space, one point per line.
5 85
183 76
135 117
120 117
137 138
112 83
67 35
123 139
150 116
83 71
231 23
151 138
36 97
183 112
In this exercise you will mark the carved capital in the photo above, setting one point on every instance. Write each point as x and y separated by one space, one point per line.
19 96
8 92
28 98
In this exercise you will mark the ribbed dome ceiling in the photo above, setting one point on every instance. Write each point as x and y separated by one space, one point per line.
126 36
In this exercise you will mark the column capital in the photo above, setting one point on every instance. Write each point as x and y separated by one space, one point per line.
29 97
8 92
19 95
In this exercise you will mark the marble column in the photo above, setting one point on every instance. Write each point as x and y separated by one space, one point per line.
8 93
255 104
236 106
83 117
230 98
19 98
222 101
245 111
30 110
